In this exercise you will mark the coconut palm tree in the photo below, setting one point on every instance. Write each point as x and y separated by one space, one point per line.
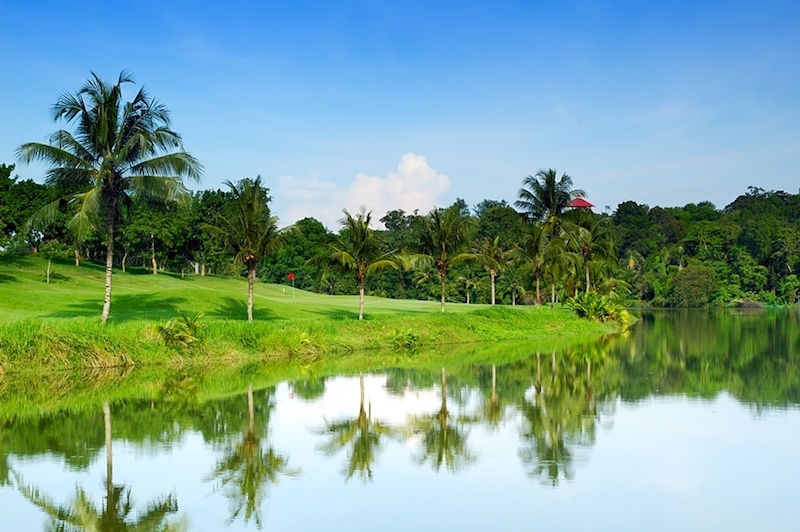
118 150
512 283
594 243
247 229
533 251
443 239
359 250
544 196
469 281
494 258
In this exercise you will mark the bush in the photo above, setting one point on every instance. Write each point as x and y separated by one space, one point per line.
183 332
599 308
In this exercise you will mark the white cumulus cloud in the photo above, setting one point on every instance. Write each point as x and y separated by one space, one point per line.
414 186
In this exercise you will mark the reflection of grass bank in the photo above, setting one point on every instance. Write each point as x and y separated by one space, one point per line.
84 343
34 393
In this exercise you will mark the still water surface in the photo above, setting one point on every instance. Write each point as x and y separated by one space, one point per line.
689 422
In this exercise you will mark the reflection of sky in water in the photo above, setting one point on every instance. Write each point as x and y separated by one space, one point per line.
667 463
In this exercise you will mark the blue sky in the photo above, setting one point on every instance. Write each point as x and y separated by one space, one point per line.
412 104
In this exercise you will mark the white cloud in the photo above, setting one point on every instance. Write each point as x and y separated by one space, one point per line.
414 186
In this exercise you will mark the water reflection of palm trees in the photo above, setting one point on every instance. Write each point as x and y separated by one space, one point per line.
444 440
247 468
361 436
559 415
115 515
493 408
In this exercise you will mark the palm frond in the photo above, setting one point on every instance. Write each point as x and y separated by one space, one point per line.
176 164
88 206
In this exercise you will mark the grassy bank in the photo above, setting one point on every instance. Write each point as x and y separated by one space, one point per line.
56 325
82 343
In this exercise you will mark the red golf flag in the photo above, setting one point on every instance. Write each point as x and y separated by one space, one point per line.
290 276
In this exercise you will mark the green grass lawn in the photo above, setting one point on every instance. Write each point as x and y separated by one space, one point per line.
77 292
57 325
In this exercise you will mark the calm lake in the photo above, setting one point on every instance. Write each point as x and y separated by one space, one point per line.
690 421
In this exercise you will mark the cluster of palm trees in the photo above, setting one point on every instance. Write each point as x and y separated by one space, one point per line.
555 246
121 153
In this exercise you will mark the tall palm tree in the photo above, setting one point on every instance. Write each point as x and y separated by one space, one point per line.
469 280
559 262
443 239
512 283
533 250
595 242
494 258
544 196
246 227
118 150
359 250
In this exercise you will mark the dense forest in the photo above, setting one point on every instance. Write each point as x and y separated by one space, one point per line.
538 250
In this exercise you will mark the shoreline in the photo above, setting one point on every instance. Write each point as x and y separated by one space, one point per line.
84 344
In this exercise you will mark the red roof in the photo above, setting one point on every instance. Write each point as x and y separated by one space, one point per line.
580 203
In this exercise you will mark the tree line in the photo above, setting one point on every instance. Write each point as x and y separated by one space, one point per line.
114 194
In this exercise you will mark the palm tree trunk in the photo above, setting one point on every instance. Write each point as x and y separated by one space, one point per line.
251 277
537 290
493 276
587 277
153 254
442 291
109 260
361 299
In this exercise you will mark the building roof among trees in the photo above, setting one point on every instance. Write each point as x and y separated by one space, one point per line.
580 203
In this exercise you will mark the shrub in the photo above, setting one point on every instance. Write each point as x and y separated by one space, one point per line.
182 332
404 339
600 308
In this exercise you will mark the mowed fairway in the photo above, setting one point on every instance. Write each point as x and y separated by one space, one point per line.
77 292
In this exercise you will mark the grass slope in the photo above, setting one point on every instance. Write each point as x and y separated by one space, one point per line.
77 292
57 325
